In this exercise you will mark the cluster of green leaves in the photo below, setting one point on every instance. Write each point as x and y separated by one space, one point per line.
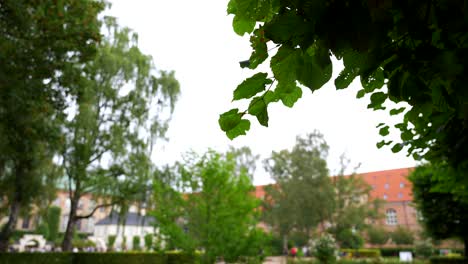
417 49
205 203
40 41
377 235
444 214
303 194
402 236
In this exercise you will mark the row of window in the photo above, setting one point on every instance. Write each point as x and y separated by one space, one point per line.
91 205
387 185
399 195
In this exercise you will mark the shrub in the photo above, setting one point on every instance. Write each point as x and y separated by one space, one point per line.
363 252
377 236
43 229
148 241
423 248
111 241
349 239
53 222
136 243
402 236
324 249
97 258
448 260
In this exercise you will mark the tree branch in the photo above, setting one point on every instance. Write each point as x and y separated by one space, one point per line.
94 210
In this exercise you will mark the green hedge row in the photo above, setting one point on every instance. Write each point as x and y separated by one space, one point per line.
362 252
449 260
97 258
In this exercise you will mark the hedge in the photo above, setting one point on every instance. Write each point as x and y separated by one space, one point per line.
449 260
395 252
362 252
97 258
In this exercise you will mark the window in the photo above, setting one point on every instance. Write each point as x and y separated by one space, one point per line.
67 204
90 224
80 204
57 201
78 225
385 197
386 186
402 185
373 186
391 217
400 195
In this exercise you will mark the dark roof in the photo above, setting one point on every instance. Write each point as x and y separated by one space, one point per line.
132 219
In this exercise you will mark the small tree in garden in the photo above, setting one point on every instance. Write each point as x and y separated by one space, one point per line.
111 242
349 239
423 248
325 249
148 241
136 243
53 222
377 236
402 236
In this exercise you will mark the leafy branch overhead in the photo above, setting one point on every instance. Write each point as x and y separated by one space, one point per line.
416 49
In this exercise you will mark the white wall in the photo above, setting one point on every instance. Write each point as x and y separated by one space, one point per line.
104 231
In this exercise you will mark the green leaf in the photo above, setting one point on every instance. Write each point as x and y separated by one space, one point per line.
345 78
229 119
382 143
373 81
285 64
384 131
377 99
285 27
316 68
258 108
251 86
232 7
232 123
397 147
270 97
380 124
406 135
361 93
240 129
289 94
242 25
259 46
397 111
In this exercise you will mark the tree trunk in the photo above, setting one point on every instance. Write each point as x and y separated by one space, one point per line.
10 225
69 232
20 174
285 245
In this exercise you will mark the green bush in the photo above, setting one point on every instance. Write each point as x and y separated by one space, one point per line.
97 258
43 229
136 243
349 239
111 241
423 248
402 236
148 241
377 236
325 249
449 260
362 252
53 222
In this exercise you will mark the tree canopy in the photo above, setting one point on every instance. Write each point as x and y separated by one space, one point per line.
402 51
303 195
205 203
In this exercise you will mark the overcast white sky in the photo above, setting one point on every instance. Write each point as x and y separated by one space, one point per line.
195 38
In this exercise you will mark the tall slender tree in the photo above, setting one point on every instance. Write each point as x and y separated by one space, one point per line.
121 107
302 197
39 41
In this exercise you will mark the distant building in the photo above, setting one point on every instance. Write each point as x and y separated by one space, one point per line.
133 225
394 189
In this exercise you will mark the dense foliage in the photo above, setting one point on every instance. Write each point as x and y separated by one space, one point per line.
40 41
402 236
444 215
303 194
205 203
325 249
413 52
377 235
98 258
